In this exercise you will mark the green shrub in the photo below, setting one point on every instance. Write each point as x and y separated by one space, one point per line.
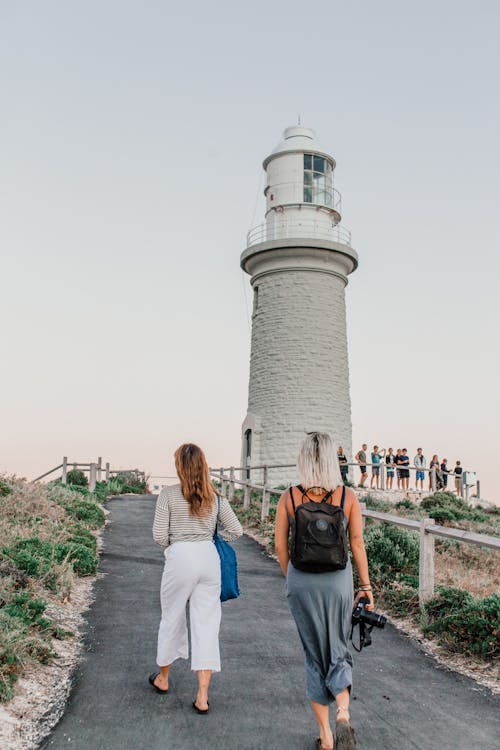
80 534
443 500
406 504
463 623
37 557
445 507
18 642
443 515
28 609
88 511
77 477
83 559
5 488
392 552
129 481
376 503
80 489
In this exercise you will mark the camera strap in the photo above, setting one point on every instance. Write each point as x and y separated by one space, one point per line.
364 636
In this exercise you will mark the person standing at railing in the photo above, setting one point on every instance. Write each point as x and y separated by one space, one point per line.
377 456
361 459
435 476
390 462
185 520
397 461
419 463
458 471
444 472
321 603
404 462
344 468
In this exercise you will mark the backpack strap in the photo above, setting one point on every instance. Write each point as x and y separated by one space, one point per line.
342 501
327 496
291 498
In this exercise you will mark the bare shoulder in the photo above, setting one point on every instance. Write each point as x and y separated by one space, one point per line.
351 500
284 501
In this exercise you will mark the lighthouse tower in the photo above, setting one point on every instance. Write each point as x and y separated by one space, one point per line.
298 260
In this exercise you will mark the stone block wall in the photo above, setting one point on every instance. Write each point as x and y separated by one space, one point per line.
299 374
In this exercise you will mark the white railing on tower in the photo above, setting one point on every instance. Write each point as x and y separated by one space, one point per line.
320 194
297 228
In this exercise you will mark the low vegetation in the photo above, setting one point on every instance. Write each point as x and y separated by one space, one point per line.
464 614
48 538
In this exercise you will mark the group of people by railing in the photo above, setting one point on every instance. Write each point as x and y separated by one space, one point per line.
389 464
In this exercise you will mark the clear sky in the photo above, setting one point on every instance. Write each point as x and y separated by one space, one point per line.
132 138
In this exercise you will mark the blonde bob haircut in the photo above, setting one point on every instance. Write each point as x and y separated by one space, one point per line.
194 474
318 463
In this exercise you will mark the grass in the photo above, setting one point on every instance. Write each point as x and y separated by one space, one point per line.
48 535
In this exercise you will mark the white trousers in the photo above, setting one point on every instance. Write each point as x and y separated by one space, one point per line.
191 574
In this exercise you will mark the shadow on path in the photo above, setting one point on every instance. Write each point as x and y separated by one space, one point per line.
402 699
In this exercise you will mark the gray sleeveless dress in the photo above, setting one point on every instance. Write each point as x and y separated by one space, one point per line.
321 605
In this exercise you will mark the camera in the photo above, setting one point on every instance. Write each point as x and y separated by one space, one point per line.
366 620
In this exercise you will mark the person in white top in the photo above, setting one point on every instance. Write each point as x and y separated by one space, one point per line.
185 520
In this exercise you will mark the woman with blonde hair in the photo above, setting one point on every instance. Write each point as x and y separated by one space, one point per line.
322 602
185 520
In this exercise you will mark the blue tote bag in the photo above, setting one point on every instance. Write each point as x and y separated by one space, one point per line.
228 565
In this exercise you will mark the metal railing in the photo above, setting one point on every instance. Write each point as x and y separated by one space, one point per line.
95 471
284 228
426 527
321 193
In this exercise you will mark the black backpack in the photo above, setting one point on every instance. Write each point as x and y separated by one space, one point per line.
319 542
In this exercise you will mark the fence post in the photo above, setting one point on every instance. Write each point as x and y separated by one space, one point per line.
363 517
106 471
266 496
426 562
92 476
265 476
99 468
231 484
478 489
462 487
64 469
246 497
382 476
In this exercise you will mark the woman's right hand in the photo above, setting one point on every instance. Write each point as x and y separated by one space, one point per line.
367 595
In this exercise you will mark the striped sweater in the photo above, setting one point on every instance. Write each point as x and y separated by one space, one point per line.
173 523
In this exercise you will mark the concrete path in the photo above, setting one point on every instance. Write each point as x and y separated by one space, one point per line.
402 699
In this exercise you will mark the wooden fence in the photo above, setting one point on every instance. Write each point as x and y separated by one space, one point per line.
427 528
95 471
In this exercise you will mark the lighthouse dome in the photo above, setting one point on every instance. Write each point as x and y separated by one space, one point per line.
298 139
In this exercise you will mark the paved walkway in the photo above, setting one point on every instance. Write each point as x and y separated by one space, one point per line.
402 699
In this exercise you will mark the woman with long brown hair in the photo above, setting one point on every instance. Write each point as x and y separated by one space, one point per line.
185 520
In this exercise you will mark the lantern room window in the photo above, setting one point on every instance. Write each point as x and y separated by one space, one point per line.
317 180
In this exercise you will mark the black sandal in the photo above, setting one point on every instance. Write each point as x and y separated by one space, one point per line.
151 680
201 711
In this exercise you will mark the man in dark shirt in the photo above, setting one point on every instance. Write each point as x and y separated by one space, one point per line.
458 478
404 461
444 471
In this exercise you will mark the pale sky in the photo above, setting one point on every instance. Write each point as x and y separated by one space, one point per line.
132 139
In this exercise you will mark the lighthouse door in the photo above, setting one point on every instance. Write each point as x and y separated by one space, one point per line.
248 451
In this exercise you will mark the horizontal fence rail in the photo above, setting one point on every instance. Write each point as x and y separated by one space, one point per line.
426 527
95 471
